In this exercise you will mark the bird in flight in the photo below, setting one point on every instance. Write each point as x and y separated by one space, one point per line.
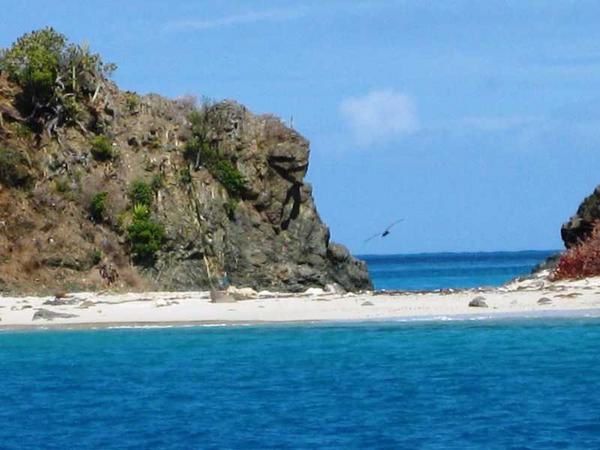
385 232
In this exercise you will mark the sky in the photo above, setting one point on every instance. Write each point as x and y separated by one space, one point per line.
478 123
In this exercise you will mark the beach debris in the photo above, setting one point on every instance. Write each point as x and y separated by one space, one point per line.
366 303
314 291
220 297
544 301
60 301
160 303
46 314
20 308
478 302
571 295
86 304
334 288
108 273
242 293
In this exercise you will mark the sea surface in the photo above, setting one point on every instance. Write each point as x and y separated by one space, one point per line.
450 270
527 384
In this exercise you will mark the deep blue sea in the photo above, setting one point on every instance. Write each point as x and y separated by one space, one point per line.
529 384
450 270
485 384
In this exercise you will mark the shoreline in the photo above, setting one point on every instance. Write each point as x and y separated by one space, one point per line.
530 298
475 317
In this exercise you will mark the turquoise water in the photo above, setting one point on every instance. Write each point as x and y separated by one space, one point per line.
490 385
450 270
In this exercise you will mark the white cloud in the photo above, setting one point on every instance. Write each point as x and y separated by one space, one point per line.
380 116
274 15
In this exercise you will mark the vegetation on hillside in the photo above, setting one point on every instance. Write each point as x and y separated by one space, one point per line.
201 151
57 77
101 148
145 235
141 193
581 260
14 169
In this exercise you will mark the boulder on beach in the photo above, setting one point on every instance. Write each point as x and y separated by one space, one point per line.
46 314
221 297
242 293
478 302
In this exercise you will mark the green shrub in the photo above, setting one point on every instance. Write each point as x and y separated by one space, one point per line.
221 168
145 236
185 177
98 206
132 101
102 149
22 131
95 257
33 62
230 207
231 178
14 170
50 70
141 193
157 182
62 185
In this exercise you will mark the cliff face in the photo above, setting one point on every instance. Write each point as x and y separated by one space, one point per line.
266 236
580 225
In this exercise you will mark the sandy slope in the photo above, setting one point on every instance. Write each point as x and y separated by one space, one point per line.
102 309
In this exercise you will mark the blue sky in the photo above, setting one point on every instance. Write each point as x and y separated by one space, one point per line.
477 122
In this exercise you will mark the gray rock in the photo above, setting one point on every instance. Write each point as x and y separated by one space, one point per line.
580 225
544 301
478 302
86 304
366 303
46 314
60 301
220 297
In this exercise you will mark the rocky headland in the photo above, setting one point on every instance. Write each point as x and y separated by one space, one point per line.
104 187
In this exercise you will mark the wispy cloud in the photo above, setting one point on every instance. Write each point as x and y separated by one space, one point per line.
380 116
251 17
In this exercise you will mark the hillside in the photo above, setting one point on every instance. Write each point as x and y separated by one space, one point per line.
102 187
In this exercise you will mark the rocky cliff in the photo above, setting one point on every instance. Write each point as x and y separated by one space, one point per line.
228 199
579 226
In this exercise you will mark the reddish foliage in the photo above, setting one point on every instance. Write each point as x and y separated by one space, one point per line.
582 260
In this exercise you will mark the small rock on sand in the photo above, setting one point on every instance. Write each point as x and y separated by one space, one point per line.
367 303
46 314
163 302
478 302
220 297
544 301
86 304
60 301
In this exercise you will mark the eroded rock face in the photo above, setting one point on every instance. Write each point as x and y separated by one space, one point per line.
275 239
270 236
580 225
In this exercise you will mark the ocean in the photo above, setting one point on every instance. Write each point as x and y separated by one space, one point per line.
527 384
476 384
431 271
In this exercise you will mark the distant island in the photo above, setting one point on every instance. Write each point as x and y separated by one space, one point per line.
105 188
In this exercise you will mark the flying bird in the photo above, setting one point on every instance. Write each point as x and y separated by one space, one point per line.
385 232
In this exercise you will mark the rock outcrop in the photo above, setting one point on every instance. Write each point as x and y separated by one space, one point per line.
269 236
579 226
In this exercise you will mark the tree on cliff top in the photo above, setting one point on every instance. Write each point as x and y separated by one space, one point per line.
55 76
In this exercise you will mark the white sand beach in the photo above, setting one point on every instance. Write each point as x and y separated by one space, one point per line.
518 299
